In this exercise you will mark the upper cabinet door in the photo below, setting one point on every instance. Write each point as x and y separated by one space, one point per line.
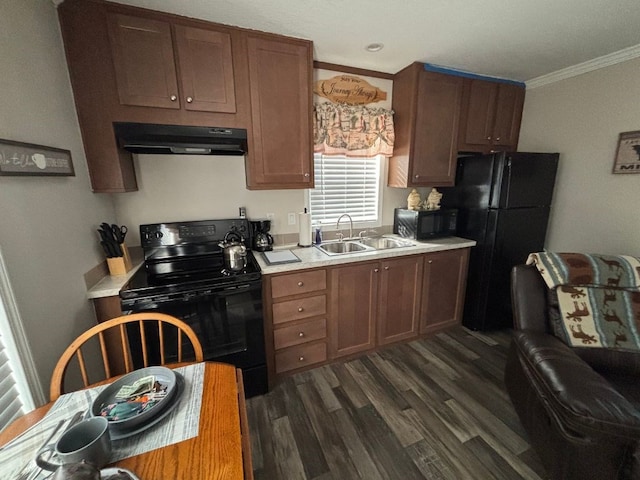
435 138
144 61
508 115
480 99
280 76
206 69
490 116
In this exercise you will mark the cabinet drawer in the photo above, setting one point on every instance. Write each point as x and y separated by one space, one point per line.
296 283
301 356
300 308
301 333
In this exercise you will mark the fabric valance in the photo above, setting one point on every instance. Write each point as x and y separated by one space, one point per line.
352 130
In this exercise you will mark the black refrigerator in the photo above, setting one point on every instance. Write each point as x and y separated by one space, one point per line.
503 201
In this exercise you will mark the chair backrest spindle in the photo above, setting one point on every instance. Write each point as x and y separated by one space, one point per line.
105 357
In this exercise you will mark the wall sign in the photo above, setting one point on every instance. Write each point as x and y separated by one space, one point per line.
628 153
349 89
18 158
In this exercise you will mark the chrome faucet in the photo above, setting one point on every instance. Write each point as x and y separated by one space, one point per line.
339 234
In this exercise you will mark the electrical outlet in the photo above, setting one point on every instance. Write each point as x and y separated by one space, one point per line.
271 216
292 218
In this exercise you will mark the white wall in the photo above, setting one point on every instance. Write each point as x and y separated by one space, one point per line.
178 187
47 224
581 117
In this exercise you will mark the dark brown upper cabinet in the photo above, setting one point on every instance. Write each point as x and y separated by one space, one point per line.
129 64
427 108
280 79
490 117
195 75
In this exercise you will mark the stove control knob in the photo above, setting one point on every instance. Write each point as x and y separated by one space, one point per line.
158 235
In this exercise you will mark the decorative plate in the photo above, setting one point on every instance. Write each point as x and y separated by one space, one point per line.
136 397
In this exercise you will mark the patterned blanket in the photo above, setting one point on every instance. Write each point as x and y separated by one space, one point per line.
598 298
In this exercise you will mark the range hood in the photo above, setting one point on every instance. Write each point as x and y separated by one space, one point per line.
180 139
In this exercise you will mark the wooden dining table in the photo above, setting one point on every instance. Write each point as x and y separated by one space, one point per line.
221 450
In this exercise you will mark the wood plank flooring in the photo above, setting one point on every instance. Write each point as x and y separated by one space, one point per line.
434 408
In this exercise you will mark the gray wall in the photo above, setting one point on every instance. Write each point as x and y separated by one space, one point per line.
581 117
47 224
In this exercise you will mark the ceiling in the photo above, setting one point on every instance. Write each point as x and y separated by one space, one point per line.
514 39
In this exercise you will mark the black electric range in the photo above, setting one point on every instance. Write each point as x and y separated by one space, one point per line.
184 276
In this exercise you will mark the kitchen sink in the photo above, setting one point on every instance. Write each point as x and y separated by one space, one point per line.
381 243
336 247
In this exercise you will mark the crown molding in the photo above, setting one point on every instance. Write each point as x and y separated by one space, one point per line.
601 62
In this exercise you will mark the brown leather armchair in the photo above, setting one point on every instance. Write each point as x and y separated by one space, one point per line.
580 406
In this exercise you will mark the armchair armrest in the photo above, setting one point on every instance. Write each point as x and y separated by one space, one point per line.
572 392
529 299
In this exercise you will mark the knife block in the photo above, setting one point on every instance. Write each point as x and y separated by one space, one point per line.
120 265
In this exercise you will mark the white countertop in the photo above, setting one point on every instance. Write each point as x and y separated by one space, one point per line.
110 285
312 257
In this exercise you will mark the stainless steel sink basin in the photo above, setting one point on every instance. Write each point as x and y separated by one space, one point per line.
381 243
339 248
336 247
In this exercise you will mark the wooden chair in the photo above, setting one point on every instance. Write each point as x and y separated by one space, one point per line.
116 329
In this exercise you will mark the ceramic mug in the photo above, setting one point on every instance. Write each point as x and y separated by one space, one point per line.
87 441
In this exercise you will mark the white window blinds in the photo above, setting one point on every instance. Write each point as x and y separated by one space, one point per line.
10 404
345 185
16 364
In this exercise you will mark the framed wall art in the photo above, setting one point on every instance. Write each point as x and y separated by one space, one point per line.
628 153
17 158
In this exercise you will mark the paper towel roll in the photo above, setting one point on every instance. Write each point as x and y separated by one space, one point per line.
304 224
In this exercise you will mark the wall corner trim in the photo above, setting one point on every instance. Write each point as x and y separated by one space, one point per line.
597 63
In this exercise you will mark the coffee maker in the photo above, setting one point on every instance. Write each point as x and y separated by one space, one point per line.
262 241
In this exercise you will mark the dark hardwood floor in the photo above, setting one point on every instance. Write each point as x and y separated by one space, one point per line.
434 408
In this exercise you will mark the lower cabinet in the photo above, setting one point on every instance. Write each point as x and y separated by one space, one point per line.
399 299
352 313
318 315
444 281
295 320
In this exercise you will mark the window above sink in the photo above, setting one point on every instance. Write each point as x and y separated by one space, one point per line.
346 185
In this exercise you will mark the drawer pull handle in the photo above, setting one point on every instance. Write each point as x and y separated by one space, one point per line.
173 98
300 309
301 359
300 284
301 334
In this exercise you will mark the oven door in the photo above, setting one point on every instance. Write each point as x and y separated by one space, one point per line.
228 322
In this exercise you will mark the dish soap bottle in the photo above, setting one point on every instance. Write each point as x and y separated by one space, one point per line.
318 235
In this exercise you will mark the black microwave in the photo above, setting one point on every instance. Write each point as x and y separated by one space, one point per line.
425 224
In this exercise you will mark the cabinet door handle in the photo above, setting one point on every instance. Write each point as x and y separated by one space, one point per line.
376 270
386 268
300 309
306 175
189 99
430 261
497 139
300 284
489 138
173 98
416 176
301 334
301 359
